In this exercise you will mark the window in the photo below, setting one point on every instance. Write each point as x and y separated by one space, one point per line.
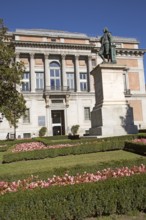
55 76
26 117
53 39
26 135
70 81
87 115
41 120
26 82
39 80
83 81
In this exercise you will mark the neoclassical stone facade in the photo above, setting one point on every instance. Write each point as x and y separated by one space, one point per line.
57 84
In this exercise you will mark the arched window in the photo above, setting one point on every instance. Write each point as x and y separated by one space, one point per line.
55 76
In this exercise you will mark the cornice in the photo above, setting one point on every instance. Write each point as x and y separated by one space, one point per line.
53 45
125 51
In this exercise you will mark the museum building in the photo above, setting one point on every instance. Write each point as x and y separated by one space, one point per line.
57 84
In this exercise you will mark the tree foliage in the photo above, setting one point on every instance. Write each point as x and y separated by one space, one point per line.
12 103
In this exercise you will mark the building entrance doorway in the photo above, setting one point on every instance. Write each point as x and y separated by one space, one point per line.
58 124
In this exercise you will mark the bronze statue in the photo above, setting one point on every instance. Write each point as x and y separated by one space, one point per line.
107 50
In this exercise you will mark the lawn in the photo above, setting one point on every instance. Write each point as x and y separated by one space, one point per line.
26 168
34 166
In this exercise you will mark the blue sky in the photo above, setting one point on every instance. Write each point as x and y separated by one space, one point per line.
125 18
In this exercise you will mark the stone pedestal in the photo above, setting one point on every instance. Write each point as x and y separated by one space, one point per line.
111 115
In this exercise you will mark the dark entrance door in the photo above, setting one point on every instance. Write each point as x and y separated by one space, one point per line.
58 124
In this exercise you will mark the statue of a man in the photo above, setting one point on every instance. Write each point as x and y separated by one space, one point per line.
107 49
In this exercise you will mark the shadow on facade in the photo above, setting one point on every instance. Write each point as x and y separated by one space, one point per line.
127 122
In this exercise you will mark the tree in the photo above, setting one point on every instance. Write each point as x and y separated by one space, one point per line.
12 103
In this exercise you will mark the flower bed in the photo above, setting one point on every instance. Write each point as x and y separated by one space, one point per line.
142 140
23 147
33 182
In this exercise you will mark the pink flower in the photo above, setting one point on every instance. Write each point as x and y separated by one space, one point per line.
37 146
33 182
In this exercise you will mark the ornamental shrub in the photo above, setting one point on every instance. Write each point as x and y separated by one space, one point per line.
74 129
135 147
77 202
42 131
82 146
54 152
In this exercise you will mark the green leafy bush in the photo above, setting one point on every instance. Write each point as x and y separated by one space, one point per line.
74 150
74 129
82 147
135 147
142 131
4 148
76 202
42 131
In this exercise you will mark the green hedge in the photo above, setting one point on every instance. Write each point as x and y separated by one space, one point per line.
73 170
142 135
139 148
76 202
4 148
142 131
64 139
74 150
5 144
85 146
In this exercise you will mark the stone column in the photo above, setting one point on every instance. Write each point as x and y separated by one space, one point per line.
91 79
47 72
32 73
64 78
77 74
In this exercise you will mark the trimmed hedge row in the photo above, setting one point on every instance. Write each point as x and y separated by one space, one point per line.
85 146
49 140
5 144
73 170
4 148
74 150
139 148
76 202
142 131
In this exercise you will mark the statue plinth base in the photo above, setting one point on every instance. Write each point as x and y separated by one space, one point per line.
111 115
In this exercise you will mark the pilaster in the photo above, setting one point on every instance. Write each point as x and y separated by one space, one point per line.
77 78
47 71
64 78
32 72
